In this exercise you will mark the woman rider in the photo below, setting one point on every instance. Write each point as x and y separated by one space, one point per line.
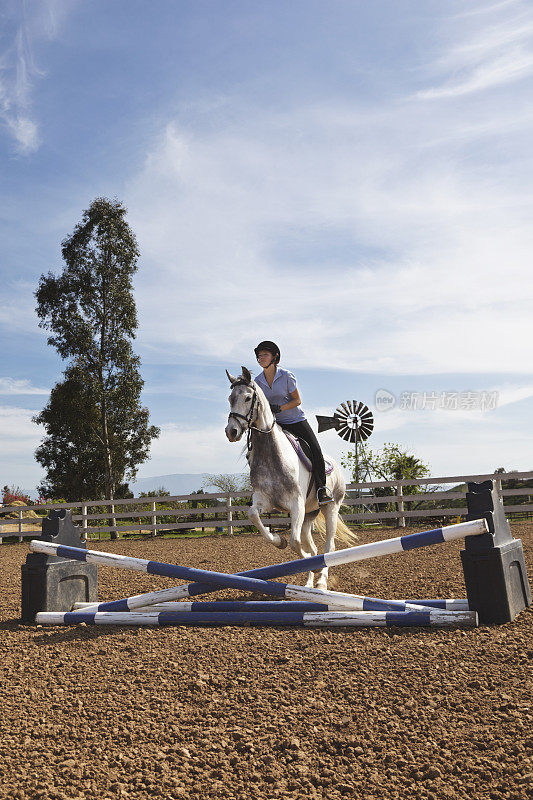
281 391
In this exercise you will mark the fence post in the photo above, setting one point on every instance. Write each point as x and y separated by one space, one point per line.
400 522
229 514
21 537
84 522
154 519
113 533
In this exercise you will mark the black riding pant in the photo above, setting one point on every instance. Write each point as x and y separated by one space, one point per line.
304 431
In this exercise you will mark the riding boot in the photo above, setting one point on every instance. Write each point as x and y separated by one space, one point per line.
323 495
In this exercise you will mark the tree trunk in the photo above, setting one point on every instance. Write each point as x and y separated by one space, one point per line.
109 488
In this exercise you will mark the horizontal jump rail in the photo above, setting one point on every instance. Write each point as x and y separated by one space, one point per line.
324 619
278 605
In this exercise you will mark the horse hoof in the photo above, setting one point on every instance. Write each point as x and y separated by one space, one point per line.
282 543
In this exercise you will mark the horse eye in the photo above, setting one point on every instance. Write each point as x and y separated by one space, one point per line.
248 399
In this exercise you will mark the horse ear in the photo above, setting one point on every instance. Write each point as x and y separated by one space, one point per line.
246 375
230 377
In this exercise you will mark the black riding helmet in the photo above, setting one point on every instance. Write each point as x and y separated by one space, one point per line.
270 347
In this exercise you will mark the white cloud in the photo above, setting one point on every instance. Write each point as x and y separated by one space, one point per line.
498 71
24 24
420 286
19 438
493 55
20 386
19 313
16 424
510 393
186 449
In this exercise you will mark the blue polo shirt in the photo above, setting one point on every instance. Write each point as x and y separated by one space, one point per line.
284 383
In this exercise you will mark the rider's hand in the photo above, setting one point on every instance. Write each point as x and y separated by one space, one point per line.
275 408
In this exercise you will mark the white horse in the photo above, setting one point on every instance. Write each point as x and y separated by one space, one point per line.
279 478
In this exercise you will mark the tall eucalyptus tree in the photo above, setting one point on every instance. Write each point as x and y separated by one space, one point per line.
90 310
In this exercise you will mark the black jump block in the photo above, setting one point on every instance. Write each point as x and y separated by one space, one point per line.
494 568
51 583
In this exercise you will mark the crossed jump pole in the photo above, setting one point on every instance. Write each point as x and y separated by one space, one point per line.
382 612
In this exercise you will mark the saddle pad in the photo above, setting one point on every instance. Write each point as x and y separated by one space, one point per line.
295 442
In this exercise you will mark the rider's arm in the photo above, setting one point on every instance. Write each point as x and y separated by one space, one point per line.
296 401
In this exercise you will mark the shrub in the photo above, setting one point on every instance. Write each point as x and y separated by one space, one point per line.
12 493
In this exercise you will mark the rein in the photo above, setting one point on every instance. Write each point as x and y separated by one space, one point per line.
249 418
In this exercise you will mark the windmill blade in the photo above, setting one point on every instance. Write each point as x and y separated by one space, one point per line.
345 407
348 434
326 423
350 406
358 407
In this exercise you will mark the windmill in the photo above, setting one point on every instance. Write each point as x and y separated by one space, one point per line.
354 423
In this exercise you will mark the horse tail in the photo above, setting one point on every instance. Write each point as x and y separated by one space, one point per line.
343 533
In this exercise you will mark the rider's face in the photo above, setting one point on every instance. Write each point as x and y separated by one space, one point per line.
264 358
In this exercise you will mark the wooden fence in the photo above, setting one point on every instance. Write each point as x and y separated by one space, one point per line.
219 510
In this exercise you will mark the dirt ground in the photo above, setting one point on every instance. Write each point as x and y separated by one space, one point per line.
96 712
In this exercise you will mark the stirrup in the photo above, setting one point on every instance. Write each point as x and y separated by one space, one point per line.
323 496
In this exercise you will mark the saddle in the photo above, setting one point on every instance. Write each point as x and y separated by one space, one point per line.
303 452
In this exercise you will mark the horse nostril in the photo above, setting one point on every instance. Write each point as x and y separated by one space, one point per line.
234 431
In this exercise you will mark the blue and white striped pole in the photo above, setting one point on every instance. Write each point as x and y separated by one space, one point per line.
219 579
325 619
448 605
258 606
277 605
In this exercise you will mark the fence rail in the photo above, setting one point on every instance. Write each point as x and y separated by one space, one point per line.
218 509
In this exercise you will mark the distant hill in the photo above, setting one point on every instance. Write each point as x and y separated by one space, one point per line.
178 483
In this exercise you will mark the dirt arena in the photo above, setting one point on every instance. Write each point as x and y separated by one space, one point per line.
95 712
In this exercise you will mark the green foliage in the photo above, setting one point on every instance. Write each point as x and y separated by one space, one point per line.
390 463
159 492
123 492
97 432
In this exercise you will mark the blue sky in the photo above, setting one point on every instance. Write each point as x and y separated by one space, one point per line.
350 179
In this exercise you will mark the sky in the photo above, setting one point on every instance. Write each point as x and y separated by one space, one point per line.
350 179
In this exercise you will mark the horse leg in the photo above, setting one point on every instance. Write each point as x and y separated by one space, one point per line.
254 511
331 513
308 544
297 512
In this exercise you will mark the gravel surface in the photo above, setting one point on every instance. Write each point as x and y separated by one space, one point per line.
96 712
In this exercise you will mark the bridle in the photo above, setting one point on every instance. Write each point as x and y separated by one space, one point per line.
249 418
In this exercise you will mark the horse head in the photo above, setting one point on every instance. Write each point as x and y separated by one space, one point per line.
243 404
